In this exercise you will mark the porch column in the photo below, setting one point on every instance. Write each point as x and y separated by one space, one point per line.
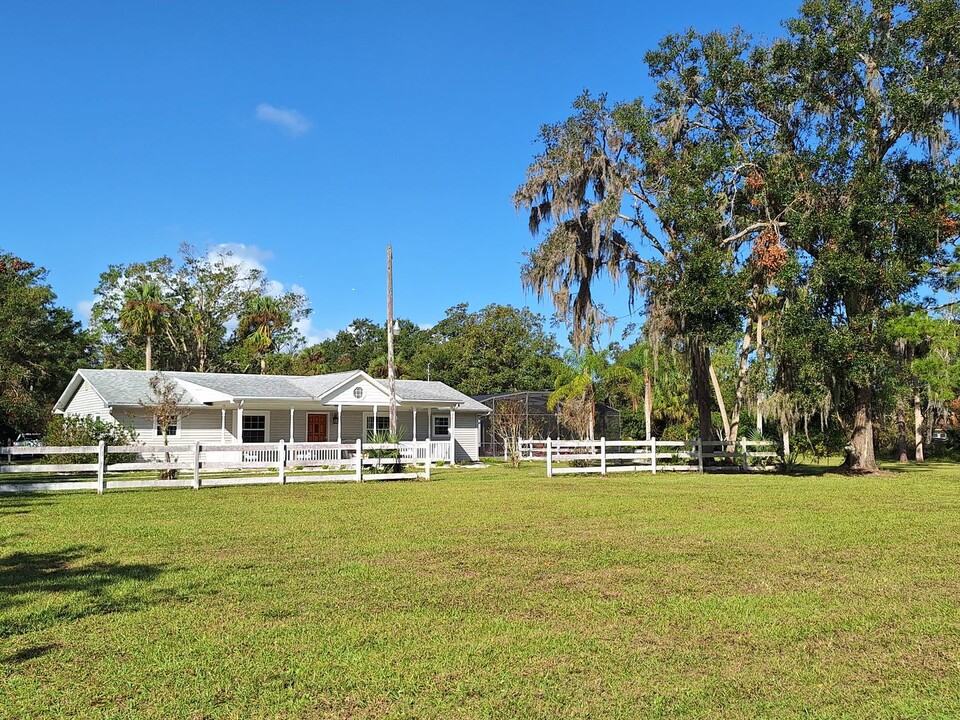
453 436
223 425
339 422
239 438
374 421
414 424
291 424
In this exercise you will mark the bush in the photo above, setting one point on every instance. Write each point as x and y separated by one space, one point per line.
81 430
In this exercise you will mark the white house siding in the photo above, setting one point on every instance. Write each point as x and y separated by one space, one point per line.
300 427
204 426
467 437
141 424
86 402
280 424
351 425
201 426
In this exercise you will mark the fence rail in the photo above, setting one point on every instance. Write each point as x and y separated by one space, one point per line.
606 456
191 465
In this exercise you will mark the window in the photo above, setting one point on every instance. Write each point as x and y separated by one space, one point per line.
383 423
254 429
441 426
358 392
172 428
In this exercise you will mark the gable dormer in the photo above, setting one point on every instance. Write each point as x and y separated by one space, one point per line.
360 390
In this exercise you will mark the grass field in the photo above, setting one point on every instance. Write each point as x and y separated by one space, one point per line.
488 593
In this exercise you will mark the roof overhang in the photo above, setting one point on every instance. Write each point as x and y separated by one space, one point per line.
202 394
72 387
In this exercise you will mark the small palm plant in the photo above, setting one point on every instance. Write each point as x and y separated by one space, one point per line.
386 437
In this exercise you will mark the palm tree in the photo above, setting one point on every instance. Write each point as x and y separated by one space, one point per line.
576 389
631 374
144 313
263 317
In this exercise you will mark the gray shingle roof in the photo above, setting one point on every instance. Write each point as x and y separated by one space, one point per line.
423 390
318 385
131 387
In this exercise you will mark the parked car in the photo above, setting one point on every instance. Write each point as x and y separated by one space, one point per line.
28 440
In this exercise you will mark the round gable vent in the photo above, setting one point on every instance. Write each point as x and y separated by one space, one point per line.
358 392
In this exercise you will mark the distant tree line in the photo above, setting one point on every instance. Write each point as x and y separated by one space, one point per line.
207 312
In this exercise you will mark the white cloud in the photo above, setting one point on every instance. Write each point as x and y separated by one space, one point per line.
293 122
274 288
84 308
252 257
311 334
249 256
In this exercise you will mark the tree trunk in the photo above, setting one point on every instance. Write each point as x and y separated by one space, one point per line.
901 433
647 401
149 353
860 456
723 408
741 391
759 395
263 364
917 428
700 387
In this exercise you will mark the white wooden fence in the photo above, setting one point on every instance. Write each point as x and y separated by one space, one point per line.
608 456
192 465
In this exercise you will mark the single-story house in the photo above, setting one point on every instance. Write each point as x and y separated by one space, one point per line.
226 408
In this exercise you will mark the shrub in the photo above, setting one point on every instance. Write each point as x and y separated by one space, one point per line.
81 430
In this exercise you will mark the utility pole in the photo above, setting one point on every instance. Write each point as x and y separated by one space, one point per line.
391 372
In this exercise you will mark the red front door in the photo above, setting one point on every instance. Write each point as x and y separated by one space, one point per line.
316 427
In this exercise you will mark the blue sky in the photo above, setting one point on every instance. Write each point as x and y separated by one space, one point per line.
307 136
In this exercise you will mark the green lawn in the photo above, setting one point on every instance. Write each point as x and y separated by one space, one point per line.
488 593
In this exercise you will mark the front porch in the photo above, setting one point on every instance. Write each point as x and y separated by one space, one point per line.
319 432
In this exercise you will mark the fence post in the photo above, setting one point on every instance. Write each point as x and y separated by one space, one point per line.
743 457
603 455
282 461
196 466
101 467
427 460
653 455
549 457
700 455
359 457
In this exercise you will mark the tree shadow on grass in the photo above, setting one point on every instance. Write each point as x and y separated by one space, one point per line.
29 653
915 468
20 504
41 590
